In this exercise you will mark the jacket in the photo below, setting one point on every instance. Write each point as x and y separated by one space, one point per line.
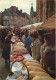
35 48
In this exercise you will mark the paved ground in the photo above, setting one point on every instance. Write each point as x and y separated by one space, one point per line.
4 69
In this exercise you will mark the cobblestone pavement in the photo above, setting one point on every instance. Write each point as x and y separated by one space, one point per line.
4 69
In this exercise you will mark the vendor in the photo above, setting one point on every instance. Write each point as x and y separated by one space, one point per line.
35 45
47 52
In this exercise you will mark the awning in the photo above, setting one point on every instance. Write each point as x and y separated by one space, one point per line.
29 26
49 23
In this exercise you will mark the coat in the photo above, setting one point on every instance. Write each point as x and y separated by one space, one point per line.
35 48
6 48
48 57
28 43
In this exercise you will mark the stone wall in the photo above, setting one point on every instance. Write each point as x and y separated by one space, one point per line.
45 9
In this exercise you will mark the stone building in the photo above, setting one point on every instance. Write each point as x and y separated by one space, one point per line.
45 9
15 17
33 18
23 19
9 18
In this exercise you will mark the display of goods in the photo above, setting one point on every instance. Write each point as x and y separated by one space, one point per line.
20 49
16 38
42 78
36 73
30 60
20 78
17 57
23 67
33 64
34 68
19 44
19 54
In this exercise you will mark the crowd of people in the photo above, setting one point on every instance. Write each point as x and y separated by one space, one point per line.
40 47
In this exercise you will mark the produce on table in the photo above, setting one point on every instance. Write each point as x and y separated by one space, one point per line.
42 78
36 73
34 68
20 78
33 64
20 49
17 57
30 60
19 44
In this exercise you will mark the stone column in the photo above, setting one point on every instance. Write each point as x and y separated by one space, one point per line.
44 9
38 10
39 4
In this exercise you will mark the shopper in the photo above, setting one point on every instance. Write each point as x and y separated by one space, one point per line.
28 43
23 38
6 48
35 45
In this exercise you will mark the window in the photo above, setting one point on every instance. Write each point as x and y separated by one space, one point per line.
11 17
6 17
6 23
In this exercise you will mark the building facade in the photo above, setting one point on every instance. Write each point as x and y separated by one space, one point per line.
9 18
14 17
45 9
23 20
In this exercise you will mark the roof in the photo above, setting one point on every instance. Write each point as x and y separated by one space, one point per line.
23 14
9 13
6 12
49 23
14 14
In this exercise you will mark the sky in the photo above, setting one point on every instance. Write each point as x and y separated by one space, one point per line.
25 5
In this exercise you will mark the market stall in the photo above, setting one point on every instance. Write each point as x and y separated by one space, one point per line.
50 23
23 66
37 25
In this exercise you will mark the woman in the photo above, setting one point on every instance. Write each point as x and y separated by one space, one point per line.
23 37
35 45
6 48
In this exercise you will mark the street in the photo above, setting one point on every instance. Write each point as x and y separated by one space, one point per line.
4 69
